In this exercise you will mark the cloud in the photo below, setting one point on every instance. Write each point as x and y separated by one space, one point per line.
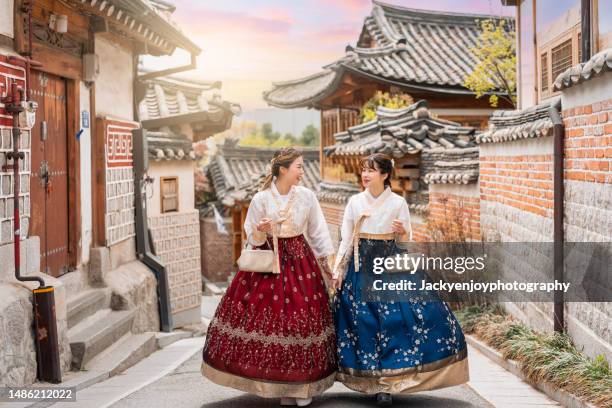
209 21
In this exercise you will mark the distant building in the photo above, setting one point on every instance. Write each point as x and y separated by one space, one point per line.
176 112
426 54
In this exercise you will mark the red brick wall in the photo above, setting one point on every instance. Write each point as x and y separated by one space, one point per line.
453 217
420 231
588 142
524 182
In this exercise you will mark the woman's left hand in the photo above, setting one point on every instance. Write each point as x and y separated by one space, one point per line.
397 227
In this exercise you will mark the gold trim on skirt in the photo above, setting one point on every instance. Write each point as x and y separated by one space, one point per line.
448 372
267 389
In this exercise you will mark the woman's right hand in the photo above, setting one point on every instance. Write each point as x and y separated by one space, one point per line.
336 283
265 225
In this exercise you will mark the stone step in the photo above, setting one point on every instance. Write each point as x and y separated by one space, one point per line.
86 304
165 339
123 354
97 332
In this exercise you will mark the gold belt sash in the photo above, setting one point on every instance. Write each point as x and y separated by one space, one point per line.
380 237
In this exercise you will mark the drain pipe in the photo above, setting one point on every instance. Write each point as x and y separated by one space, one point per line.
558 196
143 245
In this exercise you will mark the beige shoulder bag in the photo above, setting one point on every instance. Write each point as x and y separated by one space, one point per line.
265 260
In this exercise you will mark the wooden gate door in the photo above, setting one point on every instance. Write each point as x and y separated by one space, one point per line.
49 178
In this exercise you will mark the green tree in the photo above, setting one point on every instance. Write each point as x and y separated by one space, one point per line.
496 69
310 136
290 138
397 101
269 134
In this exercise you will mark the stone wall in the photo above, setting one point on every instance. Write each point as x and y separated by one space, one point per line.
176 237
217 263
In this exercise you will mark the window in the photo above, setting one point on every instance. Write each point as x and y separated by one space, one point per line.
169 194
557 41
544 74
561 57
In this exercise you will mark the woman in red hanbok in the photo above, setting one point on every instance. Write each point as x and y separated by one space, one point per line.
273 334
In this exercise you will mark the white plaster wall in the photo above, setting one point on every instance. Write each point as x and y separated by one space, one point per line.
183 169
6 18
114 92
465 190
522 147
596 90
85 148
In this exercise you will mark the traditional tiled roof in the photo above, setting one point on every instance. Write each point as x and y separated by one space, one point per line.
237 171
167 146
528 123
172 102
336 192
401 131
597 65
450 166
147 21
409 48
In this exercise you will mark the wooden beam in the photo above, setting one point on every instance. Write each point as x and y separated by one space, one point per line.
73 116
98 178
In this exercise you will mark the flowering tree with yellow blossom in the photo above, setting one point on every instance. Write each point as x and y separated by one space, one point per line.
396 101
496 69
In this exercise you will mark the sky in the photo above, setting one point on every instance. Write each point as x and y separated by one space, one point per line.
248 44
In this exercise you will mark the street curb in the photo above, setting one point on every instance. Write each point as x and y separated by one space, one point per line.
562 397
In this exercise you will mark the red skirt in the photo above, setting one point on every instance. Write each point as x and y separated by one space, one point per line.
273 334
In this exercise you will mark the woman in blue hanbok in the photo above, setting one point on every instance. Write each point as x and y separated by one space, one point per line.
397 345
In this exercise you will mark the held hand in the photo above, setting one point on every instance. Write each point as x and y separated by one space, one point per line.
336 283
398 227
265 225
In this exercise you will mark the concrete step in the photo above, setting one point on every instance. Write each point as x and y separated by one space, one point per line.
86 304
97 332
123 354
165 339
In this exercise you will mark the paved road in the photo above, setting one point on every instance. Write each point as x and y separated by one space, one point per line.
186 388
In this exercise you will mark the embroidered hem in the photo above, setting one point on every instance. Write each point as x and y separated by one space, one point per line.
267 389
449 375
228 330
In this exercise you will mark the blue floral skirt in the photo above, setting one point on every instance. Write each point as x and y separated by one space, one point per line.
395 346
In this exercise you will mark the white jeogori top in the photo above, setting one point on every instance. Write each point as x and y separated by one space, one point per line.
379 222
306 217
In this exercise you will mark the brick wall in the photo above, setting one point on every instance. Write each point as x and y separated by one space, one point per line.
588 172
452 216
119 215
217 264
516 190
588 207
420 228
10 72
176 237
